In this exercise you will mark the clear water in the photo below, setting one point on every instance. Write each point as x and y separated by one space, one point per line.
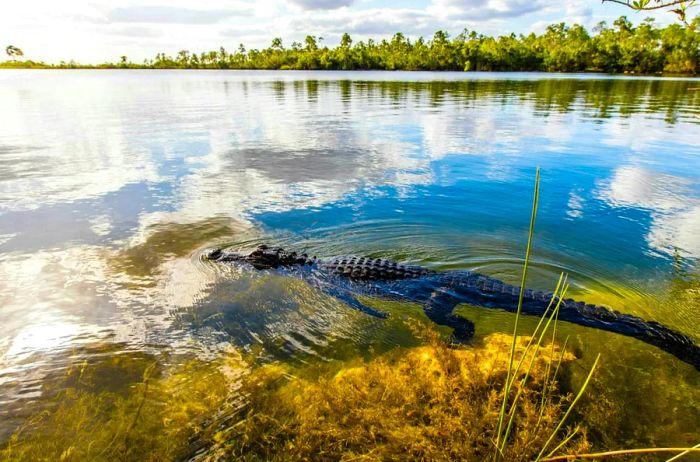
112 183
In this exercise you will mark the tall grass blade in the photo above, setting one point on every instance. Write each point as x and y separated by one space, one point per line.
621 452
555 296
563 350
546 384
568 411
506 391
678 456
566 440
532 362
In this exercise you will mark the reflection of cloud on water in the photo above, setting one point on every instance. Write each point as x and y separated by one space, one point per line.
675 212
49 298
641 133
681 230
52 299
575 205
252 180
633 186
299 153
73 154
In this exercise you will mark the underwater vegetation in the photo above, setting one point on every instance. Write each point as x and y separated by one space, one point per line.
431 402
428 401
155 414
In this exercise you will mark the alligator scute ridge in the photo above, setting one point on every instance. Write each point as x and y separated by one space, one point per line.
347 277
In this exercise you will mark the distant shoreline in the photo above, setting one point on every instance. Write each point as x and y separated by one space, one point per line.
620 49
667 75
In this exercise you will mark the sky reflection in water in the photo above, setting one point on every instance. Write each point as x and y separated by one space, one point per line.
112 182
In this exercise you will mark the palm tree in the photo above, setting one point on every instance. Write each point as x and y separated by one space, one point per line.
13 52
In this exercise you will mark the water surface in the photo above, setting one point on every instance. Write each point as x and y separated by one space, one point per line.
112 183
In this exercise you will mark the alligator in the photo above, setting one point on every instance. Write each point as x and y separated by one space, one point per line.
439 292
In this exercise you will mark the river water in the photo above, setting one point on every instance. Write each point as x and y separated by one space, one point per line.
113 183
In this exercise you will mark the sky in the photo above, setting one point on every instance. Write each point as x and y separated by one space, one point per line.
93 31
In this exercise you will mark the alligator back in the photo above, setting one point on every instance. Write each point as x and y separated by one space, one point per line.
371 268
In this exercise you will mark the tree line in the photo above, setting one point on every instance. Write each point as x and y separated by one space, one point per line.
618 48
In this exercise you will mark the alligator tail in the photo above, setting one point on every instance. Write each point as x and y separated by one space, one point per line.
487 291
651 332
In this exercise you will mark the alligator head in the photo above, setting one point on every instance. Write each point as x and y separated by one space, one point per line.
264 257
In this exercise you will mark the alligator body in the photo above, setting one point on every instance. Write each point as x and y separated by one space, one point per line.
348 277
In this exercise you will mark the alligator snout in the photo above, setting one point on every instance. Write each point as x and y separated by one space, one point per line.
213 254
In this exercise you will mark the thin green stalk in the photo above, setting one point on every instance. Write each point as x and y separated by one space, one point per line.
568 411
549 367
146 378
621 452
529 369
566 440
563 350
678 456
506 390
555 295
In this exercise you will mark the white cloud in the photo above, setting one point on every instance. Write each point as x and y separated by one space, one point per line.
169 15
322 4
376 23
485 9
578 13
137 31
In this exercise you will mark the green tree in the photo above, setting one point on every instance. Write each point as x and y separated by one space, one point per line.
13 52
311 44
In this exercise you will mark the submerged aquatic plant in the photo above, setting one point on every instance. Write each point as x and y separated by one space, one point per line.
95 413
433 402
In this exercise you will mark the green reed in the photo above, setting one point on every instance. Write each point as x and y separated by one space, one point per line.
550 317
507 388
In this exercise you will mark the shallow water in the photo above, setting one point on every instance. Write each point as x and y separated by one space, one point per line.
112 184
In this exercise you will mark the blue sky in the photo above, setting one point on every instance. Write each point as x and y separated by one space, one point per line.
99 30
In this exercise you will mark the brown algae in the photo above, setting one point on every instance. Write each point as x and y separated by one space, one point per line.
431 402
155 414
